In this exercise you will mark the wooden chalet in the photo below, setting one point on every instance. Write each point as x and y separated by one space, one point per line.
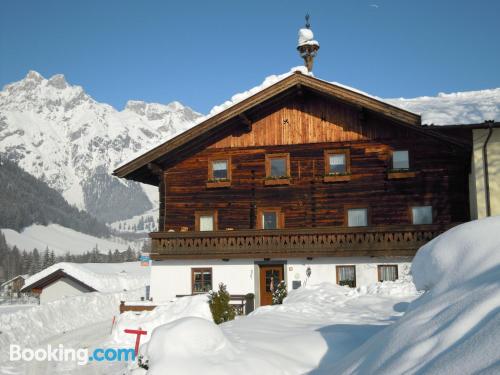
303 180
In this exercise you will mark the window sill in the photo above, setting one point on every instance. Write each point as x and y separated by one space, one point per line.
337 178
400 175
218 184
277 181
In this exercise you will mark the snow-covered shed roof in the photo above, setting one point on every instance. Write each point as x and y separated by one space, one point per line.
101 277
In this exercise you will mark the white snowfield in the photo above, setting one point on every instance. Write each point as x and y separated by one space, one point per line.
30 326
62 240
103 277
454 328
386 328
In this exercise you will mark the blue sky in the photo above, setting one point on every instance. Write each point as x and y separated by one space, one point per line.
202 52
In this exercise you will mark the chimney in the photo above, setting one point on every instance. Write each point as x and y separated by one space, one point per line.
307 46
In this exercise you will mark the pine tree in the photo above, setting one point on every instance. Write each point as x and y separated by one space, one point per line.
220 306
46 258
52 258
35 263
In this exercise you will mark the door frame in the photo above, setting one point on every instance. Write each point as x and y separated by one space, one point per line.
257 267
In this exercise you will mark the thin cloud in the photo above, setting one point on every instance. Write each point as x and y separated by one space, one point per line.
376 6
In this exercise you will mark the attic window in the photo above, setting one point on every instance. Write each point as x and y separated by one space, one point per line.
278 169
337 165
219 172
400 160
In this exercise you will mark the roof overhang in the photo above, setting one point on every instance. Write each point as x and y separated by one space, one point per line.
53 277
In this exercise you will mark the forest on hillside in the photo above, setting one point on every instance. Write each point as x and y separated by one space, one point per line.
15 262
25 200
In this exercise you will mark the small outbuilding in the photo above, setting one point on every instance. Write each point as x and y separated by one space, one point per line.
11 288
71 279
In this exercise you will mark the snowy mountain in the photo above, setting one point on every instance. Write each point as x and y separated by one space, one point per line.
58 133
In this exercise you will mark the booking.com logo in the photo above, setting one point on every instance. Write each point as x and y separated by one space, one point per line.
81 356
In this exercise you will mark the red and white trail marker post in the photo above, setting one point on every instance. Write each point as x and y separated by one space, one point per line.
139 333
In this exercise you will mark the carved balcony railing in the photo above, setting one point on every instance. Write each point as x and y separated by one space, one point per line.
308 242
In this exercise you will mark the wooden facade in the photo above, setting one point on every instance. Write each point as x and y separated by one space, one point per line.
305 126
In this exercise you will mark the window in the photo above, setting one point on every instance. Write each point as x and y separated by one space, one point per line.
219 172
337 162
387 273
357 217
421 215
270 218
400 160
201 280
205 221
346 275
278 166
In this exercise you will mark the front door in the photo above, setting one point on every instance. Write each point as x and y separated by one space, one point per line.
270 277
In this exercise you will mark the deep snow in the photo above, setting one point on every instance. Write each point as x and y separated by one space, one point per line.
452 328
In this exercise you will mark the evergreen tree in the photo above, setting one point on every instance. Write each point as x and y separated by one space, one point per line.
220 306
46 258
52 258
35 263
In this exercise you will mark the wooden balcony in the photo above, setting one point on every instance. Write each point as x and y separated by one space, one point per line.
294 243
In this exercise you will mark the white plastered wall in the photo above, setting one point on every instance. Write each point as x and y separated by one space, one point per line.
173 277
61 288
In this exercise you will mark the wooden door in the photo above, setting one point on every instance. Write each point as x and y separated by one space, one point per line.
270 277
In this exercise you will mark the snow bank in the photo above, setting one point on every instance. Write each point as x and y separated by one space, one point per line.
186 346
28 327
454 327
103 277
61 239
292 338
190 306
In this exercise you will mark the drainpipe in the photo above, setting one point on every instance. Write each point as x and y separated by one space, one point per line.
485 168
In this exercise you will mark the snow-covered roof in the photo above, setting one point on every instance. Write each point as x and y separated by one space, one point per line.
15 277
103 277
241 102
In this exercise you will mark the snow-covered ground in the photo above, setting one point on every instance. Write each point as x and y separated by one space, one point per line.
63 240
9 309
387 328
452 328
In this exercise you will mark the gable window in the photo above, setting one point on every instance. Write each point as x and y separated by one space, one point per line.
278 169
337 165
387 272
201 280
270 218
205 221
400 160
346 275
219 172
357 217
421 215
